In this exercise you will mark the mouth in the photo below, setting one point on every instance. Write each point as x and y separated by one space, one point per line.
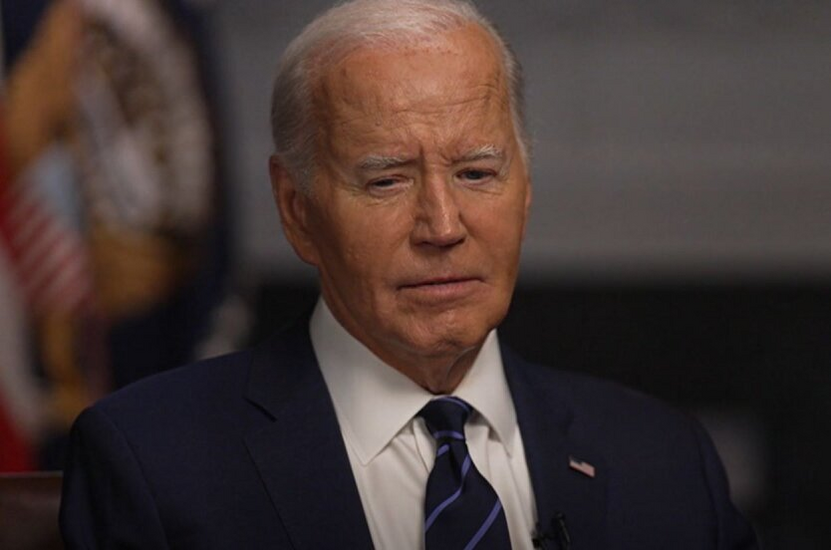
440 281
442 288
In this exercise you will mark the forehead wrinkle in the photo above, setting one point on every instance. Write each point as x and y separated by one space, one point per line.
475 117
411 99
355 100
349 97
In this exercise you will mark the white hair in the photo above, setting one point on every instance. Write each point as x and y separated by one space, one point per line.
342 29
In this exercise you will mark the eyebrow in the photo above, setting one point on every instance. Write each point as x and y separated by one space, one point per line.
385 162
382 162
483 153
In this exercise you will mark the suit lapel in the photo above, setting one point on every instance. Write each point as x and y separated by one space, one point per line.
301 456
561 484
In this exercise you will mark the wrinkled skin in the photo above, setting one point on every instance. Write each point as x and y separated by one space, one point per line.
419 201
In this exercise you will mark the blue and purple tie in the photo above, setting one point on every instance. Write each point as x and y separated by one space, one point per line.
461 510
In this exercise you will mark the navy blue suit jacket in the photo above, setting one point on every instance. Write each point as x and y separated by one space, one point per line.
244 451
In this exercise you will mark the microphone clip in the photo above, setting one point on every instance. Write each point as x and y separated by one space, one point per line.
555 536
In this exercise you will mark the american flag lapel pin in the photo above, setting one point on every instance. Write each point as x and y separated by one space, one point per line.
583 467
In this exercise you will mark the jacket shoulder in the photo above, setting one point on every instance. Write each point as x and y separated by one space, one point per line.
621 423
204 383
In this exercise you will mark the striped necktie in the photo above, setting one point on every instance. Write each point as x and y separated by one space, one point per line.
461 509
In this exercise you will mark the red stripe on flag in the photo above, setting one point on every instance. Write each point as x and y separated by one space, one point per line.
15 452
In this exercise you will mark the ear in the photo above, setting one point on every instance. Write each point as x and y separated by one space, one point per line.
528 193
293 205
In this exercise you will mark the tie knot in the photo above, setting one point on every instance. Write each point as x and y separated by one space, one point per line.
445 417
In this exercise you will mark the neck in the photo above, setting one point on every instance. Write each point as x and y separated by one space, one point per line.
439 372
438 375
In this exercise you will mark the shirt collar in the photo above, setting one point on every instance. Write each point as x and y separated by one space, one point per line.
374 401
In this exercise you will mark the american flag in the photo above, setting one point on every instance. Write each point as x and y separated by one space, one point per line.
48 257
583 467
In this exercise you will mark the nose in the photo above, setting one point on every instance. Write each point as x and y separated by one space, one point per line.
438 220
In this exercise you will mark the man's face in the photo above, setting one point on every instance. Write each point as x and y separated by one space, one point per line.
419 199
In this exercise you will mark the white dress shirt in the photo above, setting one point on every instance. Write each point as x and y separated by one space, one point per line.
390 450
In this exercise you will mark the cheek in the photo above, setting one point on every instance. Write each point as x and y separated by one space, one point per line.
361 245
501 223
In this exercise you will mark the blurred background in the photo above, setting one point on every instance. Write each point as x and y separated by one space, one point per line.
680 239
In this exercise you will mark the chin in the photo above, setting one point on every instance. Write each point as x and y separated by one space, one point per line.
442 339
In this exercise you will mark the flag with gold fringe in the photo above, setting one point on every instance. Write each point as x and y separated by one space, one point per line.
109 211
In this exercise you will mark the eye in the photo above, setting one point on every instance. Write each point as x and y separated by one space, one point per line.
382 184
386 185
476 175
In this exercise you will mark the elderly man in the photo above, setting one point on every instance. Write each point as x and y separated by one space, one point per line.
392 416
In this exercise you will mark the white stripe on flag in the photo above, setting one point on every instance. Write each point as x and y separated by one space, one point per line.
19 392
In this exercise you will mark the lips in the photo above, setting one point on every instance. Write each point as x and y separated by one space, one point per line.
441 290
440 281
